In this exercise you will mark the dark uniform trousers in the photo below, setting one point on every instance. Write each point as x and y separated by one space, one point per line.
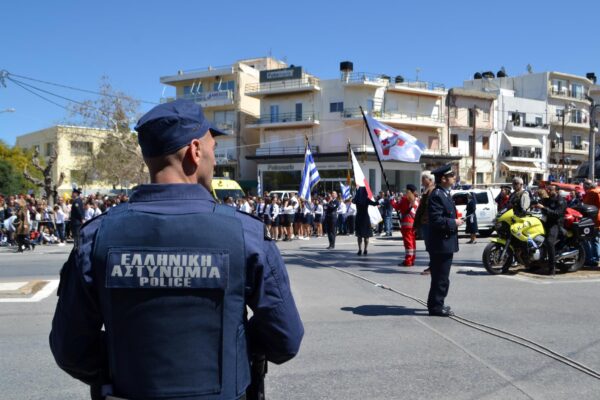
552 231
331 223
440 264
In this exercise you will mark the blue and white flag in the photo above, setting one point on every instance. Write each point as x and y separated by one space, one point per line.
310 175
259 190
345 191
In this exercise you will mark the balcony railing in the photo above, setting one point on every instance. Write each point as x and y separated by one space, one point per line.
283 118
521 153
209 68
433 86
364 77
219 95
292 84
565 92
289 150
412 117
557 147
572 118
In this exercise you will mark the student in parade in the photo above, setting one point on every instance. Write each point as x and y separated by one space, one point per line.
318 210
471 216
274 212
161 313
331 209
350 213
362 224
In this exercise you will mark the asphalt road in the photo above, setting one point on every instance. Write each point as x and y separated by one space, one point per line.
364 342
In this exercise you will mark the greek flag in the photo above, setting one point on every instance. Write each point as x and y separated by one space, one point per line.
310 175
345 191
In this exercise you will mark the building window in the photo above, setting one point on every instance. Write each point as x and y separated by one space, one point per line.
81 148
539 121
559 86
577 91
370 105
223 85
336 107
576 140
480 177
274 113
578 117
454 140
471 117
49 149
485 115
517 118
485 143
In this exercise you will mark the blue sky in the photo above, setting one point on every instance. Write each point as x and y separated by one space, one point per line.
134 43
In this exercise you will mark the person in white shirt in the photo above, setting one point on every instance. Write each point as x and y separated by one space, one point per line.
350 216
89 211
288 212
318 212
245 206
97 210
273 211
59 220
308 219
341 219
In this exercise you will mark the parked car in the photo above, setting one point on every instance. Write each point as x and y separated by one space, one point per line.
485 211
284 194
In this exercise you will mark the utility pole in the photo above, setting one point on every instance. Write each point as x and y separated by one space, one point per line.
592 140
474 144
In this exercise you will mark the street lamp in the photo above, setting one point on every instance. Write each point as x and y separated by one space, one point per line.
592 139
568 108
8 110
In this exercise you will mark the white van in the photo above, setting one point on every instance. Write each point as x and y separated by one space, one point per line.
485 210
284 194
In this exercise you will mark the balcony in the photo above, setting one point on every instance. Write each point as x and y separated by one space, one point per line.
579 121
225 156
306 84
398 118
528 128
283 120
364 79
418 87
522 154
571 148
219 98
225 126
284 151
564 92
199 73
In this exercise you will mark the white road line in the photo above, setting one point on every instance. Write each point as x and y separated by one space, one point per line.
46 291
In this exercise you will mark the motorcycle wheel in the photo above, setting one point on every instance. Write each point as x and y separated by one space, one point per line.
576 266
491 259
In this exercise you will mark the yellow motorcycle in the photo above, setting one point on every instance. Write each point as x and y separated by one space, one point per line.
521 239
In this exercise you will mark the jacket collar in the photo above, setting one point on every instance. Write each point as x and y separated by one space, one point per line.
175 191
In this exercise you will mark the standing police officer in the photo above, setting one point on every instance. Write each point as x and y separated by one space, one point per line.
77 215
443 240
168 275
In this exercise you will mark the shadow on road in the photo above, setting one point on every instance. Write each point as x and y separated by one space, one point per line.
374 310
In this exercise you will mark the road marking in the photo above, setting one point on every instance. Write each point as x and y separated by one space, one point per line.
46 291
10 286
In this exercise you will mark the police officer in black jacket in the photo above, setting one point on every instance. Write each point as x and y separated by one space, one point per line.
153 302
330 209
443 240
553 207
77 214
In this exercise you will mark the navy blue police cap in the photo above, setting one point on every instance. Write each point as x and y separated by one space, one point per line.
443 171
411 187
170 126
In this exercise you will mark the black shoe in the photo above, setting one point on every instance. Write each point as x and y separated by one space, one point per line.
359 253
365 252
444 312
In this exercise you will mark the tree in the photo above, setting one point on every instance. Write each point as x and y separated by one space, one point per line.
47 183
18 160
119 159
9 179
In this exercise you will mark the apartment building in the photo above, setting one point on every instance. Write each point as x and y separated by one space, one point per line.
296 105
471 134
74 145
567 115
221 91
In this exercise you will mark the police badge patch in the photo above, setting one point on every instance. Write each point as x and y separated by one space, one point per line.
171 268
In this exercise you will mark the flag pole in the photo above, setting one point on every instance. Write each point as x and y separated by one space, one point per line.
375 148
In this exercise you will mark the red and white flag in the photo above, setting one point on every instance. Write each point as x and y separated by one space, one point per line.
361 181
394 144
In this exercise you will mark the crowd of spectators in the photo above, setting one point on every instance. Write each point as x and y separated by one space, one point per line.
28 221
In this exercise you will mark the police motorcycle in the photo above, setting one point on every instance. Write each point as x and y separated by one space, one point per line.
522 240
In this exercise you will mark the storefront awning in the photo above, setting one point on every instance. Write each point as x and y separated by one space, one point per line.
523 167
524 142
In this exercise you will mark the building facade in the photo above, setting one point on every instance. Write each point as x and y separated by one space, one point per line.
74 146
472 135
566 112
221 91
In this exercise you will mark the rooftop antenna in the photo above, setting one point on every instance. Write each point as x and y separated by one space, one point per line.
418 70
529 69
